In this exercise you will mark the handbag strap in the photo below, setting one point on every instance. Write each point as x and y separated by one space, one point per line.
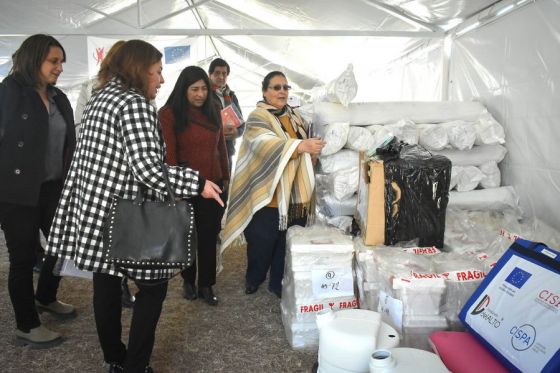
142 188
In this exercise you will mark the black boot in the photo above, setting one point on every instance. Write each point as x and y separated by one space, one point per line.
207 295
189 291
116 368
127 299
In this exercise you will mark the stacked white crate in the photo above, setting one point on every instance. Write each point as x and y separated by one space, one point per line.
318 275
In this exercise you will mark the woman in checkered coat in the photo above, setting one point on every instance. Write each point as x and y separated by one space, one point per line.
120 146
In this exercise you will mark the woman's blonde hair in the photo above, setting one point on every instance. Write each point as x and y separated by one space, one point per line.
104 67
130 64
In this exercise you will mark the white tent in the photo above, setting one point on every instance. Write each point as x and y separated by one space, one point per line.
503 53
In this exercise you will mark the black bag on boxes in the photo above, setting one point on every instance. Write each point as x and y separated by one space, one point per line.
416 194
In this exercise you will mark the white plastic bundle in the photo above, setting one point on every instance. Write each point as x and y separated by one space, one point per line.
468 178
476 156
360 139
338 161
379 132
341 90
455 170
492 175
489 131
404 130
344 183
336 135
365 114
461 134
432 136
494 199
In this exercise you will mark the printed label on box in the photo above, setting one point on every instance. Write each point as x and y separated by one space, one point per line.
330 283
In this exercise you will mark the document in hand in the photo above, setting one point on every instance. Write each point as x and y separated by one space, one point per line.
230 116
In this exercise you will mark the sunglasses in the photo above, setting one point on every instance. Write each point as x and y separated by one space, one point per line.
278 87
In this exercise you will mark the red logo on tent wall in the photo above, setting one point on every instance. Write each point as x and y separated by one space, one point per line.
98 55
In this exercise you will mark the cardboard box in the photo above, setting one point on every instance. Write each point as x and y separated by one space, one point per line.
370 209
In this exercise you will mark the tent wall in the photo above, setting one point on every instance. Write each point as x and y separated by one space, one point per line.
511 65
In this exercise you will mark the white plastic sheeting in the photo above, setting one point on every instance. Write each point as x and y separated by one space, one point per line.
511 66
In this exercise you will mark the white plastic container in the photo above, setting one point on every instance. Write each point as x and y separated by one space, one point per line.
347 338
405 360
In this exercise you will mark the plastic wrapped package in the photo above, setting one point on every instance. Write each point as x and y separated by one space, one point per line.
339 161
360 139
455 170
306 112
335 136
416 196
364 114
344 223
422 293
468 178
341 90
405 130
461 135
469 231
476 156
492 175
432 136
417 330
327 205
343 184
317 275
489 131
463 274
495 199
379 132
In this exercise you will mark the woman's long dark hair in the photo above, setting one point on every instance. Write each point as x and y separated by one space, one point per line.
29 57
178 98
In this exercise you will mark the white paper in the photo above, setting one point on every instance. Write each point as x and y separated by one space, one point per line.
334 282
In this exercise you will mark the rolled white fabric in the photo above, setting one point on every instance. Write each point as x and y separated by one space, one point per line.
432 136
475 156
336 135
338 161
461 134
360 139
489 131
492 175
468 178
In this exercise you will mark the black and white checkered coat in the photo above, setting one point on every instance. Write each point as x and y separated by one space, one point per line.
120 145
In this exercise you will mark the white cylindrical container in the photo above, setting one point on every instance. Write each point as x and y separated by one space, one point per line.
405 360
347 338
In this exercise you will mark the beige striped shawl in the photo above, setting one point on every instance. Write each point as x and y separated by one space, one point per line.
263 164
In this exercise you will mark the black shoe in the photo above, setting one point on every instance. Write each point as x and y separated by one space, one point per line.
206 294
127 299
189 291
250 289
276 292
116 368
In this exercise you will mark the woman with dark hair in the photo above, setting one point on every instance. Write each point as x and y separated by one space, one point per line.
120 147
273 184
193 134
37 140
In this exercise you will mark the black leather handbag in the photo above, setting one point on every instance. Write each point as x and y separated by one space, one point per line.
142 234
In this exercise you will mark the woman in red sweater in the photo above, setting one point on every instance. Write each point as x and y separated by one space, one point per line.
192 130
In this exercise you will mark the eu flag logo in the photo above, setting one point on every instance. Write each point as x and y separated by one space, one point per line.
177 54
518 277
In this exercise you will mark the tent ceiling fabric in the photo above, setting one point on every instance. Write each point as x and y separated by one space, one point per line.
112 16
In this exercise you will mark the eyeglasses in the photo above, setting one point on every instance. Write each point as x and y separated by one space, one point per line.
278 87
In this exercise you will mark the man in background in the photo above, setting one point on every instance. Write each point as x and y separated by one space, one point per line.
223 97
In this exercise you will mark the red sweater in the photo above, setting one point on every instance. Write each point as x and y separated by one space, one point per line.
199 147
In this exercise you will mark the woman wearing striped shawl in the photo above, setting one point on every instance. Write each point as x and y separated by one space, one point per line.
273 183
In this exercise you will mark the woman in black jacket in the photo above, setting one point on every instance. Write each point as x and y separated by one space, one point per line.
37 140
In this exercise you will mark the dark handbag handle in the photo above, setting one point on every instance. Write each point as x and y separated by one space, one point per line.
142 189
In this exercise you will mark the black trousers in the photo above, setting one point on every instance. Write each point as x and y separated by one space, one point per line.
266 248
208 217
21 225
107 309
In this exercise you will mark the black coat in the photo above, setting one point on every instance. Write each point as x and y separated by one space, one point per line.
23 140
